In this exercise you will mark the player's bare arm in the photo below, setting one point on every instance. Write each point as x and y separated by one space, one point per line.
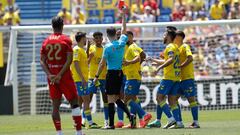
88 47
100 69
157 61
142 56
124 26
135 60
187 61
90 56
168 62
45 67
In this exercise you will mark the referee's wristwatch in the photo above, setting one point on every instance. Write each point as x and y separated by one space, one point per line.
96 76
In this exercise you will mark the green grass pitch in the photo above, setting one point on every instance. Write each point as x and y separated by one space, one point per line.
220 122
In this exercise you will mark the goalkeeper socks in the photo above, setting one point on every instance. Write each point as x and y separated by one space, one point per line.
175 112
120 104
166 109
194 110
137 108
111 109
57 124
159 112
120 114
88 116
179 112
105 110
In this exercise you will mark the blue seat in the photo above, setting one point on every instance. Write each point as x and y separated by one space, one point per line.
165 11
108 12
92 13
163 18
93 20
107 20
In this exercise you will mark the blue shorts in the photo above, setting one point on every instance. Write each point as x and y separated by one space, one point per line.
168 87
123 83
187 88
82 91
92 87
132 87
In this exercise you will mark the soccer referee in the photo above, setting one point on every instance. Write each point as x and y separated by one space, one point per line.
113 57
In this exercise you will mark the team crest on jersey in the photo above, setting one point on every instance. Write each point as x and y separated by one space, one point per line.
75 55
130 87
171 53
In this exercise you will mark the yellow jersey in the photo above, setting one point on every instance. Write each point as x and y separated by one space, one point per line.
80 56
225 2
136 9
168 3
187 72
172 71
132 71
67 15
14 17
216 12
124 67
94 63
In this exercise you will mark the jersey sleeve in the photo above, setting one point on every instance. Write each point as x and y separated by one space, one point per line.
76 54
188 50
170 51
123 40
91 49
135 51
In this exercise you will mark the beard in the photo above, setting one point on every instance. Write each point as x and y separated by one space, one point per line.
164 40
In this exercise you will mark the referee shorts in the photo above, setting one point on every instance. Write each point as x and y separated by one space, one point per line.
114 82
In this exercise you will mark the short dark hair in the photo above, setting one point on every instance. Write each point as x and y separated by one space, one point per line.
171 33
97 34
79 36
111 31
57 23
171 28
180 33
129 33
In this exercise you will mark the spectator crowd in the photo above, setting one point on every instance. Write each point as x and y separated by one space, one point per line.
161 10
9 14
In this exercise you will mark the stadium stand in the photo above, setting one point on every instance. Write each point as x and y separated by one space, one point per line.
38 10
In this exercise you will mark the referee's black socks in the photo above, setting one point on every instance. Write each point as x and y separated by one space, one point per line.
121 105
111 109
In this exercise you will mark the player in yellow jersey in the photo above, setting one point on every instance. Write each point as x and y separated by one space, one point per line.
132 59
95 56
79 68
169 85
187 85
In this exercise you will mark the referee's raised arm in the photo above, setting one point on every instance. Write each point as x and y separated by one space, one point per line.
124 26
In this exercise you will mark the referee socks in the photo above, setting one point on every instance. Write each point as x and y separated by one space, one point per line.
111 110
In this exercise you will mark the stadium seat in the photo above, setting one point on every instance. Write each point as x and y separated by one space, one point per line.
165 11
108 20
93 20
93 13
163 18
108 12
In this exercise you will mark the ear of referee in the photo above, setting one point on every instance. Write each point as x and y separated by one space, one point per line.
113 58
